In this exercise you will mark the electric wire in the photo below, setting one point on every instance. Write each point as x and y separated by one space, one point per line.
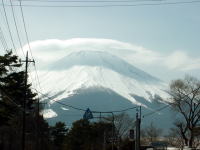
37 83
46 96
76 108
3 41
28 42
117 111
156 111
31 77
2 37
24 24
81 109
27 38
3 44
37 77
2 48
162 108
111 5
8 26
14 18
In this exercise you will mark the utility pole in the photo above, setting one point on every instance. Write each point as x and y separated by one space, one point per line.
113 125
104 140
37 146
139 126
24 102
38 115
138 122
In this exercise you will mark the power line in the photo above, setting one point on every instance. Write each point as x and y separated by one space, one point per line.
111 5
81 109
8 26
31 77
3 41
2 47
16 28
37 77
28 42
45 95
162 108
116 111
24 24
158 110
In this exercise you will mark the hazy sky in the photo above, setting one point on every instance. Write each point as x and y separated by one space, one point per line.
170 31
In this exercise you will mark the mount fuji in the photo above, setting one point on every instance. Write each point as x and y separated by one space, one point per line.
100 81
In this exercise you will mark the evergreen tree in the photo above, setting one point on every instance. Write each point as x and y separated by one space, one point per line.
12 88
85 135
58 133
7 64
12 92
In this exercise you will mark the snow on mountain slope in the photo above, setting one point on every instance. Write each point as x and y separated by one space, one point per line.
85 69
101 59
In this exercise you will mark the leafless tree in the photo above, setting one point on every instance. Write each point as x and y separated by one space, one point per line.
123 123
151 133
174 138
185 96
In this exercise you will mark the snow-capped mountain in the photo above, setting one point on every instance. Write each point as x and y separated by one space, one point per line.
99 80
87 69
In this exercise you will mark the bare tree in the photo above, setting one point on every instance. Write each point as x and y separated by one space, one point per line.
123 123
174 138
185 95
151 133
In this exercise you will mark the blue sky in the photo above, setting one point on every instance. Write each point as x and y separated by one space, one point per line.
168 30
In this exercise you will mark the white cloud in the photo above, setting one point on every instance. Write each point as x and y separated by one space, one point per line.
50 50
176 60
182 61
